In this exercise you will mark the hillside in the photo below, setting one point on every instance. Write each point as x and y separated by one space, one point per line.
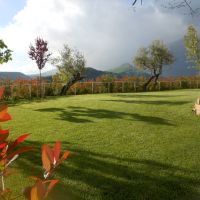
127 69
13 76
92 73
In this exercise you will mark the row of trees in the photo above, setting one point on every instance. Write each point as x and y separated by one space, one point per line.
71 63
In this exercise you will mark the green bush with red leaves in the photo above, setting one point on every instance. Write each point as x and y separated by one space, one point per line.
9 152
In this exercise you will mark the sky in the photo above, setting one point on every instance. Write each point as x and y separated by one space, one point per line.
108 33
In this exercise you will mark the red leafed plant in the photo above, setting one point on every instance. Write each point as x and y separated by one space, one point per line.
9 152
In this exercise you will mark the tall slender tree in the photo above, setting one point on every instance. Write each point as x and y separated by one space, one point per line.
192 45
39 53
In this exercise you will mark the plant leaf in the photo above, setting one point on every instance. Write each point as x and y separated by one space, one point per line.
50 186
65 155
19 151
4 116
19 140
57 150
1 91
45 159
3 135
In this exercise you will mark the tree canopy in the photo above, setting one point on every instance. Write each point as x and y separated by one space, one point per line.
152 60
71 66
192 45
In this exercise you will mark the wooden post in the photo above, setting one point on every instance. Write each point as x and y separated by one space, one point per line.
180 84
75 89
37 88
92 87
108 87
30 90
135 89
122 86
44 91
159 85
170 86
11 90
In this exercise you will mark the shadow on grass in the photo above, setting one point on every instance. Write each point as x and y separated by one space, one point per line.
91 175
86 115
34 100
151 102
139 95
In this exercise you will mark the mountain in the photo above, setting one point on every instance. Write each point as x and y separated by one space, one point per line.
127 69
45 74
14 76
92 73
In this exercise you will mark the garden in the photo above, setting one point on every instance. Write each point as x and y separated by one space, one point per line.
123 146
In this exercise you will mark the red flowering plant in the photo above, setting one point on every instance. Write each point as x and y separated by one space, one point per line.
9 152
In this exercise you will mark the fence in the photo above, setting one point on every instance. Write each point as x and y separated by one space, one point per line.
29 91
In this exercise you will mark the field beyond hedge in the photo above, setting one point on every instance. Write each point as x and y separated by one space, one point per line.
123 146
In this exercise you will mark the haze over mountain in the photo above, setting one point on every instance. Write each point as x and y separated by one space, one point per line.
180 67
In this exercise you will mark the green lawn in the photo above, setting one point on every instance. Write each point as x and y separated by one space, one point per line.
123 146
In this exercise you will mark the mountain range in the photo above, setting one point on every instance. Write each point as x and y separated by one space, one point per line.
179 68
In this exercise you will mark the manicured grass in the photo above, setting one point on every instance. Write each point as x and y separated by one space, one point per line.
124 146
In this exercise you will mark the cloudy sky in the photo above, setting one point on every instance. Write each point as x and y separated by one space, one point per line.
108 32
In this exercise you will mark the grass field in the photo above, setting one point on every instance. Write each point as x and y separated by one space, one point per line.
123 146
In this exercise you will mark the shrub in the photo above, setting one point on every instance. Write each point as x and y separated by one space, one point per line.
9 153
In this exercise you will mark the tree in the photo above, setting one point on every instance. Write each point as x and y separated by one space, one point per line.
71 66
40 54
192 45
5 53
152 60
177 4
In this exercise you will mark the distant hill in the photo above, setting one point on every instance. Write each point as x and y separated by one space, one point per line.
127 69
92 73
45 74
14 76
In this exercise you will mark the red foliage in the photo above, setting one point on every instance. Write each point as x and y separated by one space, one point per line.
8 153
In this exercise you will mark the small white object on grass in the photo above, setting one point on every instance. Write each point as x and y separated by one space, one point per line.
196 107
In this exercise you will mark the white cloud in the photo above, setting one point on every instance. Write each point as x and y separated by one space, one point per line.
108 32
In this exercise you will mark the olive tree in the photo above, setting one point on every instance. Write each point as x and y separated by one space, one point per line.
5 53
71 67
152 60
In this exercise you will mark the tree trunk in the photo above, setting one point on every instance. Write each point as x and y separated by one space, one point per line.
71 82
40 84
148 82
156 79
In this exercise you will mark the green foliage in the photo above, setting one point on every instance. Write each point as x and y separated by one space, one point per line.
5 53
69 63
153 58
192 45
